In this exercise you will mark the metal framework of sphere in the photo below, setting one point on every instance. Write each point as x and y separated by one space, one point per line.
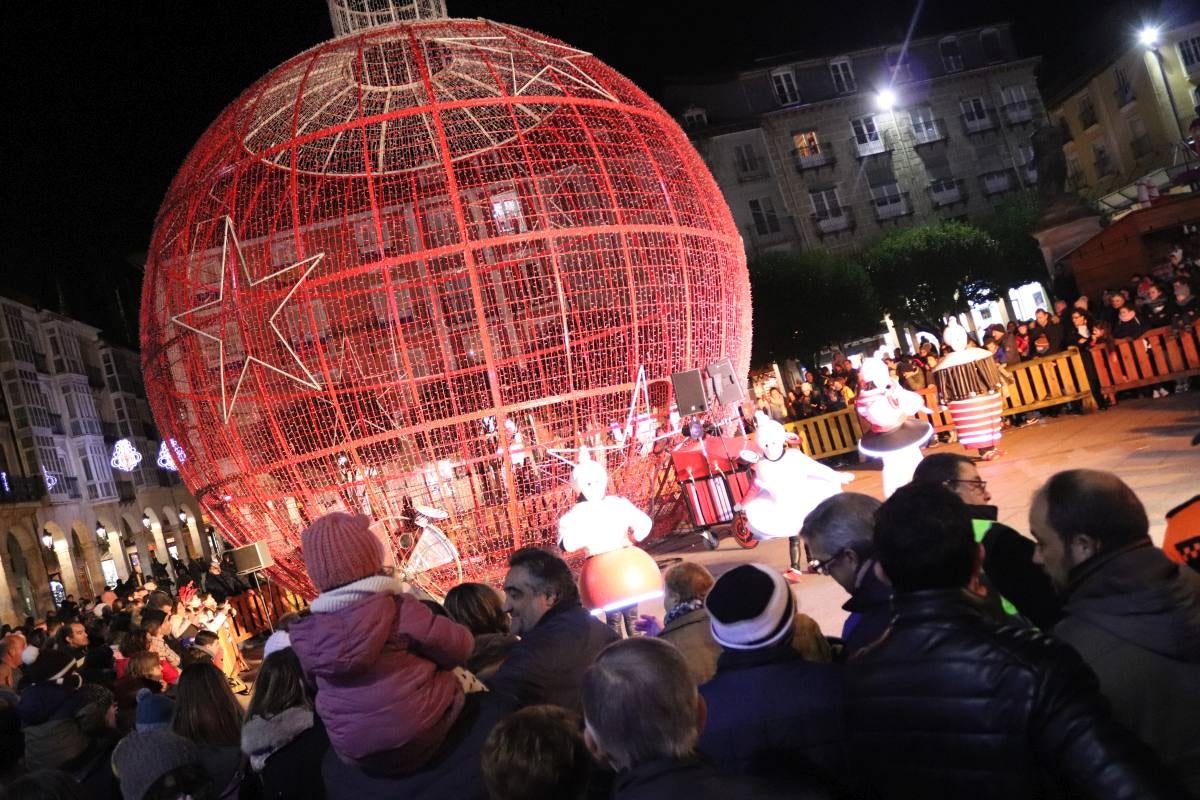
414 265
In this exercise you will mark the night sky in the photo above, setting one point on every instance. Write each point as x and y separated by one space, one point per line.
106 99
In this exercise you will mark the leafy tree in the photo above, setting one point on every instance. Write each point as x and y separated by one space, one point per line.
805 302
923 273
1012 225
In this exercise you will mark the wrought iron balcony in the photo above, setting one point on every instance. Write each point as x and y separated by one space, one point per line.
824 156
929 131
866 146
997 182
947 192
834 221
1020 112
892 207
19 489
974 124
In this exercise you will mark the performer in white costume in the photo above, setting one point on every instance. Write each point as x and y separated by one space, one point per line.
895 437
617 575
969 382
787 486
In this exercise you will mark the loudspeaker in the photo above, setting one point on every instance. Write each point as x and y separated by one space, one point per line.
251 558
689 392
725 384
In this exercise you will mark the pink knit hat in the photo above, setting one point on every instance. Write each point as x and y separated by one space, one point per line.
339 549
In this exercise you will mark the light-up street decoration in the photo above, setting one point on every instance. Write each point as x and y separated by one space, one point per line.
125 456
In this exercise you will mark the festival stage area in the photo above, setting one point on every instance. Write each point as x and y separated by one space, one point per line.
1146 442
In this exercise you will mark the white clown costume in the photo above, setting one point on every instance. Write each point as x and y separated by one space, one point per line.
895 437
616 575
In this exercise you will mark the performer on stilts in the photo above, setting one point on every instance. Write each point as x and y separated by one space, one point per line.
969 382
787 486
617 575
895 437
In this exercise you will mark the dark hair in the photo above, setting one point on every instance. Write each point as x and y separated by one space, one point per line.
135 640
845 521
551 575
537 753
279 685
435 607
478 606
141 665
152 620
190 780
1094 503
205 638
44 784
924 539
938 468
640 702
205 709
159 600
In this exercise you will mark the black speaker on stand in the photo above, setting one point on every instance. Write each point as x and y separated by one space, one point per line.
251 560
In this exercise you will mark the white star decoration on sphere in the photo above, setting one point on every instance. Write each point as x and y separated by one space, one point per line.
237 318
547 58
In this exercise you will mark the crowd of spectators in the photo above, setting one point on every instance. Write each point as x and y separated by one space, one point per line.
975 662
1167 297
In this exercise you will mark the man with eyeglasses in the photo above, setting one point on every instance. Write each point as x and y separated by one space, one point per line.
1008 565
838 536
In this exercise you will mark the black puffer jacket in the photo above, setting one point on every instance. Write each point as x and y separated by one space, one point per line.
950 704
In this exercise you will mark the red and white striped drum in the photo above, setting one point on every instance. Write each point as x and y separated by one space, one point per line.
977 419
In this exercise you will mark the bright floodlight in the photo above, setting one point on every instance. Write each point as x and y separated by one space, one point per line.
1148 36
886 99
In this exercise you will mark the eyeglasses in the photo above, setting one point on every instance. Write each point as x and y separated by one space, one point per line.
816 567
978 483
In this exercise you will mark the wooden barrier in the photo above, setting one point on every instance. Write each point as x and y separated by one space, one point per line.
1048 381
1157 356
828 435
254 605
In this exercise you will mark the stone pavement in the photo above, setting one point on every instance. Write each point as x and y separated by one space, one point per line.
1146 442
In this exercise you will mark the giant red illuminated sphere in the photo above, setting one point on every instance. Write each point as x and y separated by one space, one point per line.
409 266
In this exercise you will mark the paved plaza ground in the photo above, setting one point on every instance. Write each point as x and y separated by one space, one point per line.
1146 442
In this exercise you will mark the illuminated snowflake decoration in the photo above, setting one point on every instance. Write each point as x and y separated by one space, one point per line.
51 480
125 456
168 461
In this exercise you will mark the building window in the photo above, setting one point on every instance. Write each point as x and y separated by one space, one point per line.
1100 156
1139 139
1017 107
952 58
944 191
1189 54
828 212
975 114
888 200
746 159
1124 88
925 127
695 118
897 62
989 39
1087 112
866 135
843 76
766 221
784 83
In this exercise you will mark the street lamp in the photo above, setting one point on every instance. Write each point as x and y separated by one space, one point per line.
1148 37
145 520
886 100
182 515
101 531
47 540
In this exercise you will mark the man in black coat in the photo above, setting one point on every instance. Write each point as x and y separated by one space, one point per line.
838 534
1007 555
1045 326
559 638
1132 613
950 704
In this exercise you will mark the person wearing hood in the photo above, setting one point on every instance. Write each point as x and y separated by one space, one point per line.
49 705
382 663
283 737
1132 614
